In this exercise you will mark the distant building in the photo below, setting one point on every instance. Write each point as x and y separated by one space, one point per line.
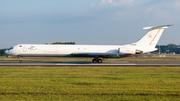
175 50
178 46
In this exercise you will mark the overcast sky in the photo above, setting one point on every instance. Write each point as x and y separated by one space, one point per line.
86 21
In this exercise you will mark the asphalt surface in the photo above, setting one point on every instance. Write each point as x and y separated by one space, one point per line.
88 63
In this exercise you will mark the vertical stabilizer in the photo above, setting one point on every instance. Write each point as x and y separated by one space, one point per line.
152 37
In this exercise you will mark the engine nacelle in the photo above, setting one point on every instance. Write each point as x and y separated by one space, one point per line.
129 50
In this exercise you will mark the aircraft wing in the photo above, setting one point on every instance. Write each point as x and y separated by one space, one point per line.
103 55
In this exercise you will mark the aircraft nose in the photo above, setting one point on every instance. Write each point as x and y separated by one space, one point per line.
7 51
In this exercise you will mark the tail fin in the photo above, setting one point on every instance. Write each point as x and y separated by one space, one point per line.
153 36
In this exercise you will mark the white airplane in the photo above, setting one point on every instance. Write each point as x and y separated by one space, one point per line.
145 45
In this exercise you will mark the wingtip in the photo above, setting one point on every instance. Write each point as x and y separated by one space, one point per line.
171 25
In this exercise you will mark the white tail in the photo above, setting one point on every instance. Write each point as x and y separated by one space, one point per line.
152 37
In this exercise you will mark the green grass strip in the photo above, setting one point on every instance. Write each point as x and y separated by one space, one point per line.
90 83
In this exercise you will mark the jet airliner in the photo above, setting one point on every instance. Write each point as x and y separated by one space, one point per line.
145 45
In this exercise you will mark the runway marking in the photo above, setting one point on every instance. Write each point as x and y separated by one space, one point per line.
96 64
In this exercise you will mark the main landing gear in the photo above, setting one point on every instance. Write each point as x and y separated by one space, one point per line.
96 60
20 61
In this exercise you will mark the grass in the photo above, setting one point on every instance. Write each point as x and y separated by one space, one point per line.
90 83
89 59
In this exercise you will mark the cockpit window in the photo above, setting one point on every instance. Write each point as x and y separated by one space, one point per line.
10 48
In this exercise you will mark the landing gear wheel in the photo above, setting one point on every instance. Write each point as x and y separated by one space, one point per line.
100 61
94 61
20 61
97 61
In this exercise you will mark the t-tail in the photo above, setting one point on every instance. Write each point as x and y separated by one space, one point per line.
152 37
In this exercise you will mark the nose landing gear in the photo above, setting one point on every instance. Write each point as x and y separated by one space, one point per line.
20 61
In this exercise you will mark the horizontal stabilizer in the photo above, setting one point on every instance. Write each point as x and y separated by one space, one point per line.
156 27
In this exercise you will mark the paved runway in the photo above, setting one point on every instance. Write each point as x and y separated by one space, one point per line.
88 63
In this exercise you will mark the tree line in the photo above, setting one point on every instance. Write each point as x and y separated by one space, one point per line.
164 48
2 52
66 43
